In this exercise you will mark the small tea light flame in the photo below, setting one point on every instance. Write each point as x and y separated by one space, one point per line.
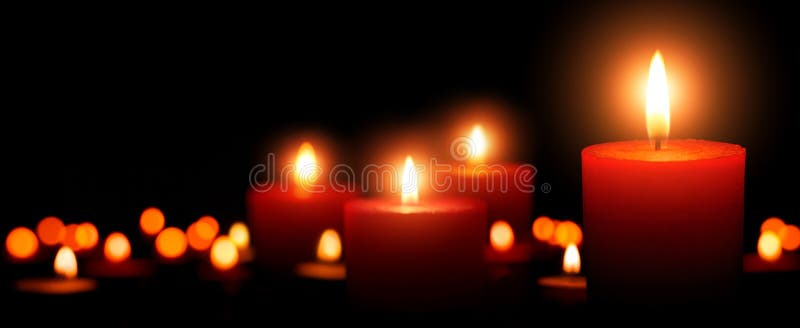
65 264
769 246
501 236
572 260
329 248
224 254
117 247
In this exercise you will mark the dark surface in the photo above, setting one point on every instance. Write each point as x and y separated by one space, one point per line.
185 111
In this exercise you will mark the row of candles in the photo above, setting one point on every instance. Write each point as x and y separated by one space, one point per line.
171 244
419 251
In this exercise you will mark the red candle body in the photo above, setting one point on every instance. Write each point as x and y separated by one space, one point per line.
663 226
286 228
415 257
500 186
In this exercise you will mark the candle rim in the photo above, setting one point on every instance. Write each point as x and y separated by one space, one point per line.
434 205
677 150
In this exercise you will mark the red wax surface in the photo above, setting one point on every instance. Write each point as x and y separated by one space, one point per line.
286 228
663 226
513 205
415 257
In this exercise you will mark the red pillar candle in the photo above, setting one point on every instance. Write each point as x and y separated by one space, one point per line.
414 255
287 222
507 188
662 225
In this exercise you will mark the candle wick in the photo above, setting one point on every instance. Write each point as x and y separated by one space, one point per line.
658 144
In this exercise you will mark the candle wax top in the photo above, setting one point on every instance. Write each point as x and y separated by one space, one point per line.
439 205
673 150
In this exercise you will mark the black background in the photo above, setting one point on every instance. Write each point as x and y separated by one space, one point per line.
105 118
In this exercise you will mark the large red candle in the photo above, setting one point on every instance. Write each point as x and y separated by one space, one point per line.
415 255
507 188
662 226
287 223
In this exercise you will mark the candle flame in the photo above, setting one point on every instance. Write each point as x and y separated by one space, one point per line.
224 254
117 247
306 167
478 145
409 183
501 236
65 264
657 100
330 246
572 260
769 246
240 235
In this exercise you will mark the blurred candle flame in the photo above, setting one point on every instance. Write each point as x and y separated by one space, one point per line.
501 236
224 254
330 246
769 246
305 165
117 247
657 100
572 260
479 144
409 183
240 235
65 264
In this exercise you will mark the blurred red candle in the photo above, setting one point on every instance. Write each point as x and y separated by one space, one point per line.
496 183
414 254
662 225
286 223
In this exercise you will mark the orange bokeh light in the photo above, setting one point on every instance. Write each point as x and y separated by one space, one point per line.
568 232
790 237
50 230
772 224
240 235
86 236
171 243
501 236
21 243
543 228
117 247
200 235
151 221
224 254
212 223
65 264
70 239
769 246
